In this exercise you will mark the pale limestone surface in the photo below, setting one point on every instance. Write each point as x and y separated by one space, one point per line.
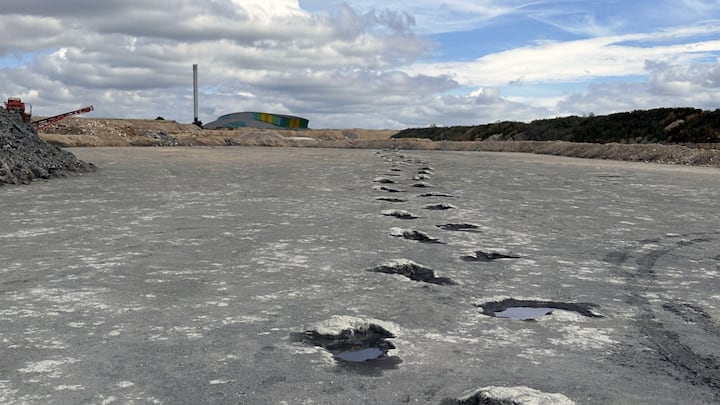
178 275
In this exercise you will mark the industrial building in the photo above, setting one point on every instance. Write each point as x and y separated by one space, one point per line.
257 120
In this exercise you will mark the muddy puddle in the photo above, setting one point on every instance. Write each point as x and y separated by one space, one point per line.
525 313
528 310
359 356
362 349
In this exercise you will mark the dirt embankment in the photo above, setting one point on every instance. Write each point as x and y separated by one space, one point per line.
80 132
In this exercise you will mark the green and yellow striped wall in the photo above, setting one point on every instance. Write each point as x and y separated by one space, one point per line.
284 121
258 120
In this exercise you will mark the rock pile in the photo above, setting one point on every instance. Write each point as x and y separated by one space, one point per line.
24 156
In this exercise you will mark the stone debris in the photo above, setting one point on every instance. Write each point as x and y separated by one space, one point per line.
509 396
391 199
383 180
425 195
440 207
387 189
400 214
459 227
155 138
421 184
413 271
412 234
485 257
24 156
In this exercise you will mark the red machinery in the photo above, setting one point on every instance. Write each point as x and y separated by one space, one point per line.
47 122
15 104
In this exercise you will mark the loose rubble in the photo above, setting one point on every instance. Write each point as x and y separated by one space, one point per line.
485 257
413 271
24 156
509 396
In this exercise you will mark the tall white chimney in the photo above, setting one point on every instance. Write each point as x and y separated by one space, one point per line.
195 95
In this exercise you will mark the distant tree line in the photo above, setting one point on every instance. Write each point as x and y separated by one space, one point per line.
661 125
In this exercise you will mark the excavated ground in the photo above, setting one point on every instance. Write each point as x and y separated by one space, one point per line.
235 275
82 132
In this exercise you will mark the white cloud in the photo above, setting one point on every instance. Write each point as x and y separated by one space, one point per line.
437 17
342 66
553 61
668 85
699 6
136 58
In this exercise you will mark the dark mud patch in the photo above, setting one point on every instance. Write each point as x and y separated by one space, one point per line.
422 184
14 285
413 271
616 258
362 347
395 169
383 180
486 257
459 227
439 207
412 234
391 199
400 214
445 195
530 310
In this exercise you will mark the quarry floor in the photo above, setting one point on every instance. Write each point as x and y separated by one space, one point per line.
179 276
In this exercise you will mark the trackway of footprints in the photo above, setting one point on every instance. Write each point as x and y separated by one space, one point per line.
361 344
419 176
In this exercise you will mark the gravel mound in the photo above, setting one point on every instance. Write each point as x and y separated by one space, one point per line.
24 156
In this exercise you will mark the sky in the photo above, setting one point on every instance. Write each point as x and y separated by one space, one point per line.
361 64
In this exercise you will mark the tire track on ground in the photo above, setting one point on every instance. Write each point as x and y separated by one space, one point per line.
669 350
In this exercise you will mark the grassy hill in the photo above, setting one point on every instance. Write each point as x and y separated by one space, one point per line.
662 125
